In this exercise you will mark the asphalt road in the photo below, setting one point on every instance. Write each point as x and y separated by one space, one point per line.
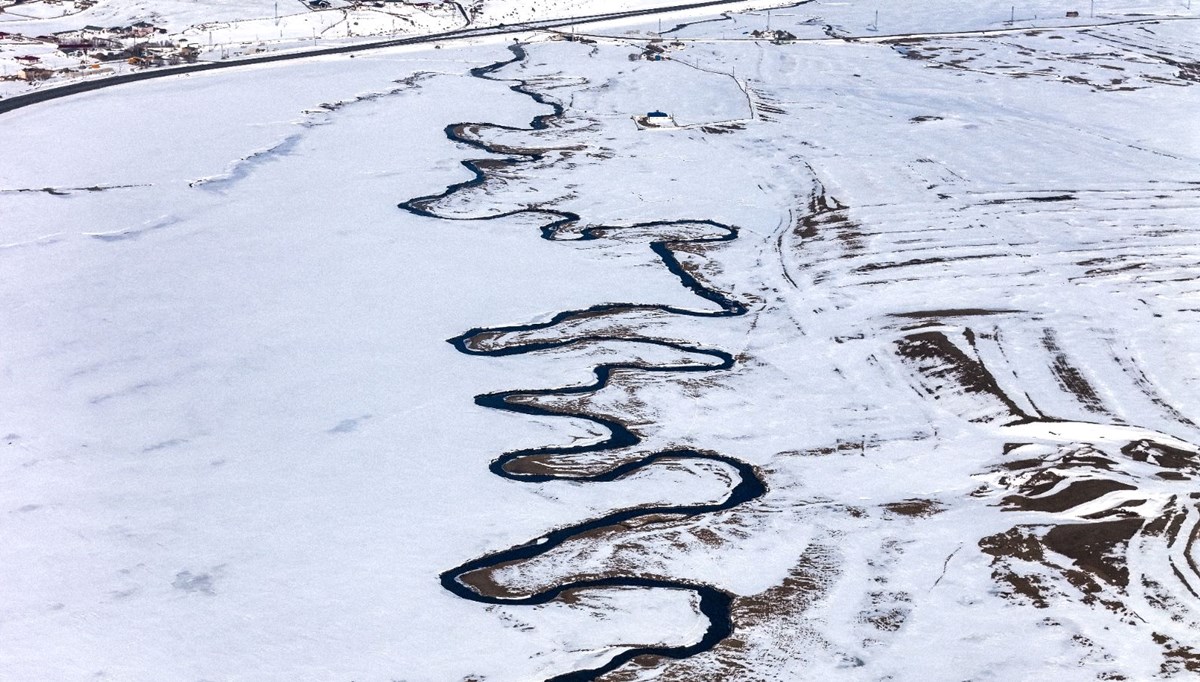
20 101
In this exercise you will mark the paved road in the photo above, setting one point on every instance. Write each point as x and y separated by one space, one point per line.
19 101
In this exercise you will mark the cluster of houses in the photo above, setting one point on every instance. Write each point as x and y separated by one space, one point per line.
776 37
40 73
31 69
93 39
90 38
80 5
139 44
355 4
655 50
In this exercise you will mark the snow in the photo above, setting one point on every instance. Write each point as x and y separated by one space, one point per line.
239 446
167 382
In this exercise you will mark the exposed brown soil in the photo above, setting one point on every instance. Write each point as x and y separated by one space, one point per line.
797 591
1069 376
1019 464
1016 543
954 312
566 466
941 363
1032 199
1094 546
482 582
1020 544
1179 657
471 131
822 210
916 508
874 267
1075 494
1168 523
1161 455
779 608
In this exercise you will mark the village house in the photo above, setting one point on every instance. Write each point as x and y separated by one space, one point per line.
34 73
161 50
773 36
654 119
143 29
86 39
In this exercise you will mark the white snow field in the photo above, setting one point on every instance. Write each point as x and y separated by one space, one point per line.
879 362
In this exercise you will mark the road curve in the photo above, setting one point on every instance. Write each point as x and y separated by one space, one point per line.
20 101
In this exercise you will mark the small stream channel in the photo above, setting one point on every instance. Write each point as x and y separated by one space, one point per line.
714 603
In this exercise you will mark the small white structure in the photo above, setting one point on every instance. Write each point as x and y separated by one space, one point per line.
655 119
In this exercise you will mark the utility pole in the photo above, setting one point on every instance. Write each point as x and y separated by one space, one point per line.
1012 17
1093 12
276 12
768 20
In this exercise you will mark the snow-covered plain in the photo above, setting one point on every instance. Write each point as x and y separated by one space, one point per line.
239 446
